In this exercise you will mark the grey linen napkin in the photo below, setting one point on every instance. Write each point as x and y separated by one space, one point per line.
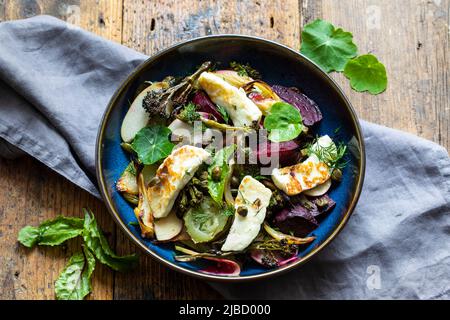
56 80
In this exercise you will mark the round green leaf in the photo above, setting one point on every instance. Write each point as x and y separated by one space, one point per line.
366 73
152 144
327 46
284 122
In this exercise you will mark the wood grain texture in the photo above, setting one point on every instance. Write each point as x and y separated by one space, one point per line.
411 37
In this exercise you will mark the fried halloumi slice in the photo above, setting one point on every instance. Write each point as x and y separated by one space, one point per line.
306 175
172 176
242 110
250 204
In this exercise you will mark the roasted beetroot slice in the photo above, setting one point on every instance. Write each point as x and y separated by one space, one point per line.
287 152
323 203
205 104
308 108
296 220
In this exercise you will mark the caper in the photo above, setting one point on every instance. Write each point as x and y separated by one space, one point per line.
216 173
235 182
336 175
242 211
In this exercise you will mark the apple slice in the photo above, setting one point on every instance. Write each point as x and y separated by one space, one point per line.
136 117
320 190
168 227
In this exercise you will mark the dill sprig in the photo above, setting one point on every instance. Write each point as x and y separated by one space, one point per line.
332 155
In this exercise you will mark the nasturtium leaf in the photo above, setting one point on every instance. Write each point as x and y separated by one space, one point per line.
220 161
74 282
51 232
366 73
284 122
152 144
327 46
97 243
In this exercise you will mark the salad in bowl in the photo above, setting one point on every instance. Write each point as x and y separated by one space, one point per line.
228 168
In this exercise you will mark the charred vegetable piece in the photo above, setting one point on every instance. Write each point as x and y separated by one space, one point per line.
142 211
222 267
162 103
205 104
262 95
272 259
288 239
308 108
127 181
298 221
205 221
136 117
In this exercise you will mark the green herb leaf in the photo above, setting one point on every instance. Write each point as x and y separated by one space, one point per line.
216 184
29 236
245 70
189 113
97 243
51 232
332 155
366 73
284 122
327 46
74 282
152 144
224 113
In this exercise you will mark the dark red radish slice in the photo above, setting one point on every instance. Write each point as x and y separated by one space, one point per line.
297 220
223 267
287 152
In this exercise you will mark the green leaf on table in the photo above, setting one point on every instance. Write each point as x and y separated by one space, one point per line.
97 243
218 172
152 144
366 73
74 282
327 46
284 122
51 232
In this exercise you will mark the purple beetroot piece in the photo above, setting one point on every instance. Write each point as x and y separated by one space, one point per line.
296 220
288 152
308 108
205 104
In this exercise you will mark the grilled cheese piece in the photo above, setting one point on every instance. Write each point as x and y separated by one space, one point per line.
306 175
172 175
250 204
242 110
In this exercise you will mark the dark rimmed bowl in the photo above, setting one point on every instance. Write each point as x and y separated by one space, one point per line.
278 64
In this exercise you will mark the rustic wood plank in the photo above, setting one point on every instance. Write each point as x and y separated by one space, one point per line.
33 193
411 37
150 26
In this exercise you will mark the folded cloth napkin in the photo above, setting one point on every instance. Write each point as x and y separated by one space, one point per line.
56 80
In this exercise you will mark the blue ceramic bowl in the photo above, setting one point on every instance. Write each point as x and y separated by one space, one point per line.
278 65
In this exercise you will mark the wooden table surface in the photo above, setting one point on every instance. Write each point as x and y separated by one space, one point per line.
411 37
